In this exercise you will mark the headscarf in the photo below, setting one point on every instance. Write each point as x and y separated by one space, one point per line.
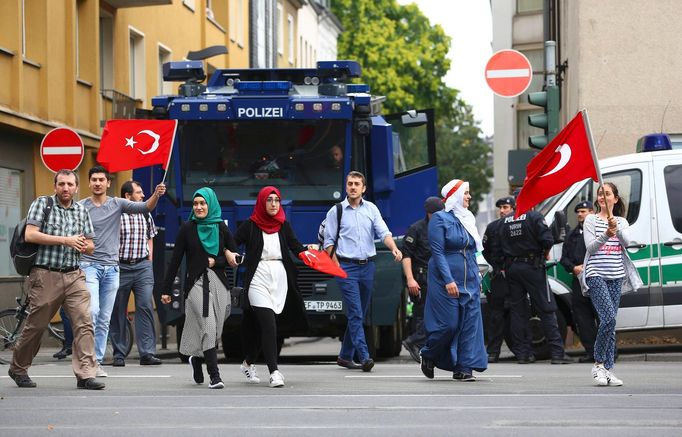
207 227
267 223
453 197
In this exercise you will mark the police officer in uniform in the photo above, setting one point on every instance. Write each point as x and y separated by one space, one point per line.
492 252
526 242
416 255
572 257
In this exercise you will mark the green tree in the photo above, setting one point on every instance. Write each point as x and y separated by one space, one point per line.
404 57
463 154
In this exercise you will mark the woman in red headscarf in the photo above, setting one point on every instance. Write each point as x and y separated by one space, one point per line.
270 279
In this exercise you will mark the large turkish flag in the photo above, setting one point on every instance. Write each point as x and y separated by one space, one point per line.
564 161
130 144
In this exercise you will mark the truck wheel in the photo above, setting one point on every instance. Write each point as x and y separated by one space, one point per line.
541 348
390 341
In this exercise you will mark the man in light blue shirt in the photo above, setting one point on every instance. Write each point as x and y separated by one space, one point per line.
355 253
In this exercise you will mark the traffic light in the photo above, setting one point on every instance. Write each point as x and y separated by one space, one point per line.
547 121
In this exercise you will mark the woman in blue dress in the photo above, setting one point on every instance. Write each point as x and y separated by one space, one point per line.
452 314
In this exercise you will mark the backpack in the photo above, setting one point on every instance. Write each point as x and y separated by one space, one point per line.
320 231
24 254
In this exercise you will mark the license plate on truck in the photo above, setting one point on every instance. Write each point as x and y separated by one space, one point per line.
324 305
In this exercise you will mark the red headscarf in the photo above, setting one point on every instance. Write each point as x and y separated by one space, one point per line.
267 223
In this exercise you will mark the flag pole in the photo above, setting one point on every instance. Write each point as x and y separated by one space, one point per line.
170 153
590 140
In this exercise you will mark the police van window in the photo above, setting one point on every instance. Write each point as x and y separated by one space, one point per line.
413 145
585 194
672 175
305 159
629 185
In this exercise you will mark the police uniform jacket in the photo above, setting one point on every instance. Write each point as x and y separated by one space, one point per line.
573 252
525 237
416 244
492 248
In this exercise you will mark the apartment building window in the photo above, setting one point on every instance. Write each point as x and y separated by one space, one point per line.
280 29
33 28
137 70
85 46
217 12
237 21
290 28
524 6
164 56
106 50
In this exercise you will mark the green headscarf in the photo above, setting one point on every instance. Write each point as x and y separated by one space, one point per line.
207 228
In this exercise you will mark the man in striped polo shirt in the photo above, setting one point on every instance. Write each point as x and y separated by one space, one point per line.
55 280
136 272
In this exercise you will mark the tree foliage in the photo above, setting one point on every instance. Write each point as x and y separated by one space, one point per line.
404 57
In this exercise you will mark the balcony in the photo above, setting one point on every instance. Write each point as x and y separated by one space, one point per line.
116 105
136 3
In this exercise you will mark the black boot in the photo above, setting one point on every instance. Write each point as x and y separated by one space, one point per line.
197 371
65 352
211 357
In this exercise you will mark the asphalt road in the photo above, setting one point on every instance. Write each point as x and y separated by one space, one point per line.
324 400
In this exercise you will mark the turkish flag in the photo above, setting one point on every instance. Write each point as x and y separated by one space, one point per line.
564 161
129 144
320 261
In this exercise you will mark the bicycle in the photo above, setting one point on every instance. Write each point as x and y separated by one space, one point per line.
12 323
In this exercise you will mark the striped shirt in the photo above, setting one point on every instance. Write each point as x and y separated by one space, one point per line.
607 262
136 231
63 222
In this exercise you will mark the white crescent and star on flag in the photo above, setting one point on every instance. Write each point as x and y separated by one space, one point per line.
565 151
130 142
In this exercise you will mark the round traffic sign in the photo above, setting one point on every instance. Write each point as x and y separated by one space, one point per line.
62 148
508 73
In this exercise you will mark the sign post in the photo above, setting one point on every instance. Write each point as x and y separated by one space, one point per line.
508 73
62 148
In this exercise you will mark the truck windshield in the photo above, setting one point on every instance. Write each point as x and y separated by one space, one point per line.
304 159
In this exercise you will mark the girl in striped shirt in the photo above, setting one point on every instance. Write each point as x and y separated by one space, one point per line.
608 272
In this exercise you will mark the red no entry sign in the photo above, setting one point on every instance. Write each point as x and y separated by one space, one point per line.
62 148
508 73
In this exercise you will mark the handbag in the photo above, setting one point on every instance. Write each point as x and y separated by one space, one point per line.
239 297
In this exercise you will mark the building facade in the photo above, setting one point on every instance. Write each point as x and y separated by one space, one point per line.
77 63
611 63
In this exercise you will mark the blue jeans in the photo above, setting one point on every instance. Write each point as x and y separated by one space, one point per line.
102 282
605 294
140 278
356 290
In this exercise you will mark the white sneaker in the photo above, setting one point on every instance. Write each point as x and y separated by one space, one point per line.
613 379
599 374
250 373
276 379
99 372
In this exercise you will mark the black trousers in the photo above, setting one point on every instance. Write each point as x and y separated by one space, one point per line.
418 333
259 332
584 316
496 314
527 280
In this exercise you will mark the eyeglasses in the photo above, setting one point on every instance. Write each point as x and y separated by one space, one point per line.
272 200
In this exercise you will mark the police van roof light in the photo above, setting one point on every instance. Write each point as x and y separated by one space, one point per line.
357 88
654 142
277 85
249 85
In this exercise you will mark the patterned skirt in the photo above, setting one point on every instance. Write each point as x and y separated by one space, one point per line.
202 333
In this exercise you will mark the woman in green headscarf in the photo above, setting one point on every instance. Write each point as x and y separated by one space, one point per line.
203 240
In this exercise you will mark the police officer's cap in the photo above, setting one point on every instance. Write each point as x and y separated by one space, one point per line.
433 204
505 201
583 205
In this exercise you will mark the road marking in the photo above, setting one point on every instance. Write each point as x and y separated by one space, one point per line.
486 376
107 377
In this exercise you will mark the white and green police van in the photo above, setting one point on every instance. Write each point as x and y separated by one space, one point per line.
650 184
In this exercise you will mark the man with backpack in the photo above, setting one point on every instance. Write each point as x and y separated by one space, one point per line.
55 279
351 245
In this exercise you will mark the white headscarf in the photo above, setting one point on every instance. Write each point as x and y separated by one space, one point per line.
454 201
